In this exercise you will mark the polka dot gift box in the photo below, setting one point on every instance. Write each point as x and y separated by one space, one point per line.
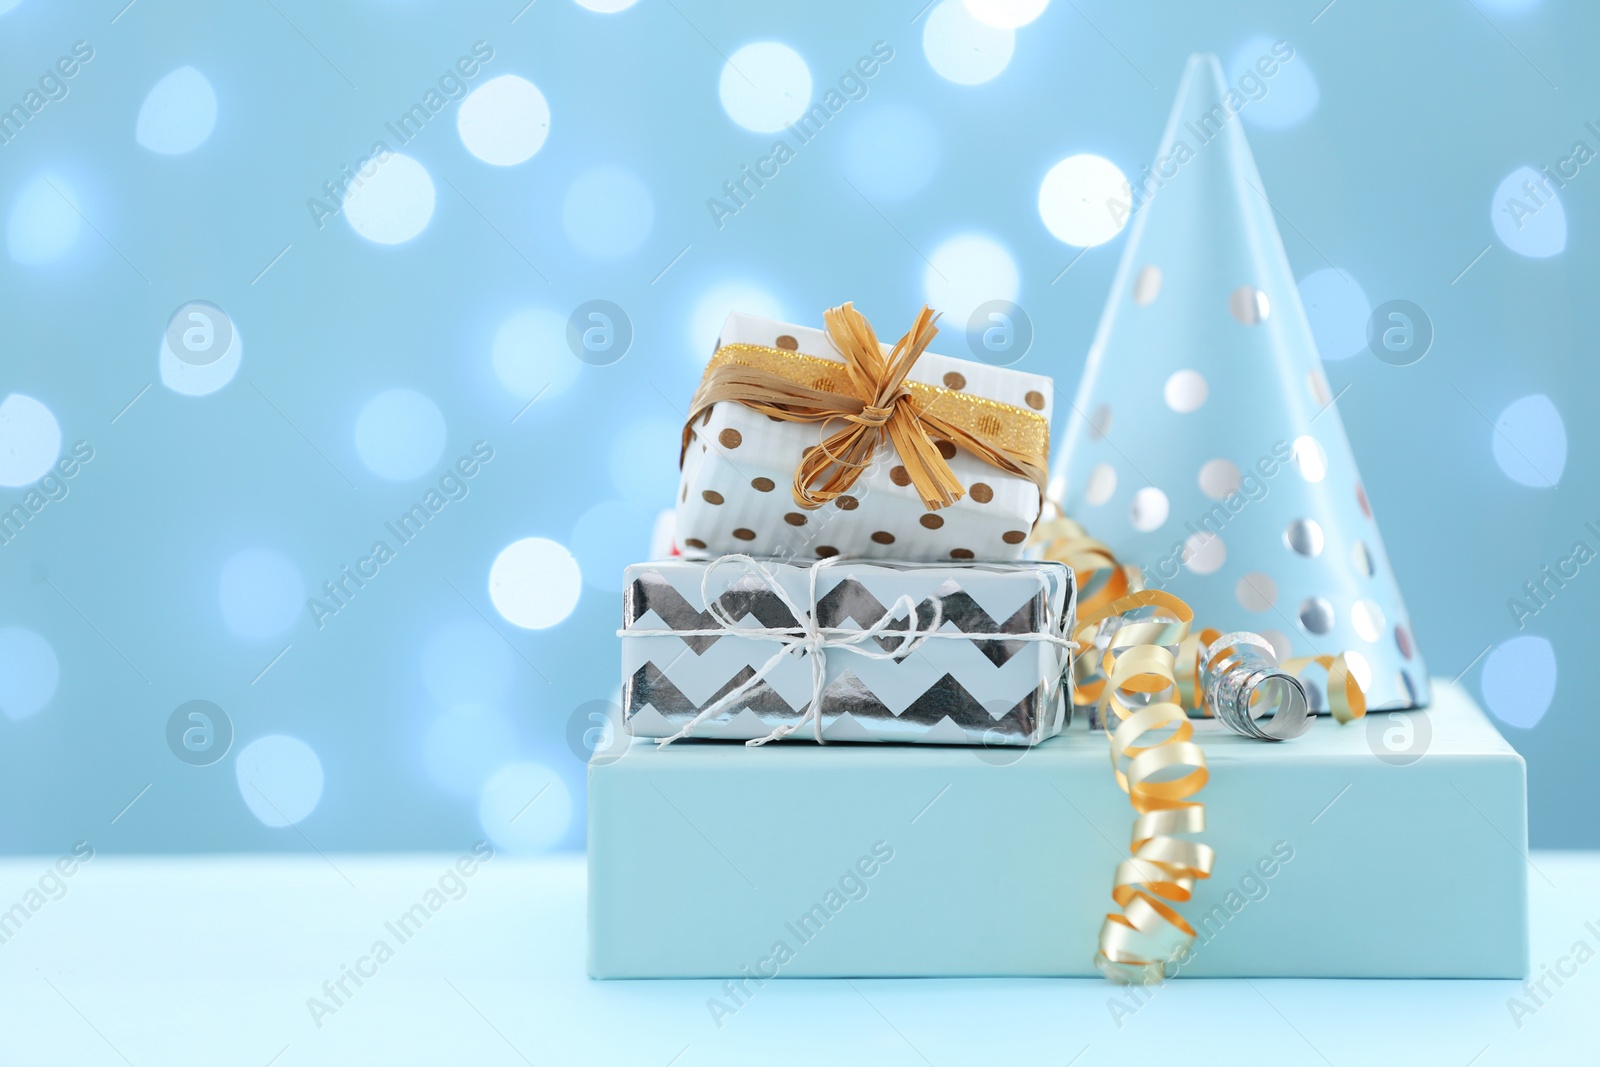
1209 451
739 464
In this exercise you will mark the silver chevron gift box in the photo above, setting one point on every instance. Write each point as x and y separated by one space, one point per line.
986 662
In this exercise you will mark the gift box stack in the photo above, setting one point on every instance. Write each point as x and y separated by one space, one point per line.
851 525
818 585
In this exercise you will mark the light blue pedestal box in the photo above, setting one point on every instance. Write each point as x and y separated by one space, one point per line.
1388 848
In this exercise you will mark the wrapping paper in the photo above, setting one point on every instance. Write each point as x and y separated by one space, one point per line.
734 493
987 690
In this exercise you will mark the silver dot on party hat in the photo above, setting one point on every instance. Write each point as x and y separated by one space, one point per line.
1310 457
1367 618
1147 286
1304 536
1100 423
1316 615
1249 305
1149 509
1204 553
1102 483
1408 687
1281 645
1318 384
1402 639
1256 591
1185 391
1218 478
1361 555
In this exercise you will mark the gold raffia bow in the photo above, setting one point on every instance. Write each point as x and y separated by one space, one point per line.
870 394
1140 669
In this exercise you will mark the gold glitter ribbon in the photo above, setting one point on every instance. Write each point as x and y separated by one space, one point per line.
869 393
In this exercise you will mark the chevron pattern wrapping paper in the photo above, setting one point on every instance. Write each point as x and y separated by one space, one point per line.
985 691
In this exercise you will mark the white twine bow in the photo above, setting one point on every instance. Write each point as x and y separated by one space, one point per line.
809 638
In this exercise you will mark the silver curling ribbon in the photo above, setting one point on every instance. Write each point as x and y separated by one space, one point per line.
1246 689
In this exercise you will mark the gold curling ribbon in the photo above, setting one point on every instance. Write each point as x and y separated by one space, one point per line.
1160 776
1345 698
869 393
1140 669
1102 580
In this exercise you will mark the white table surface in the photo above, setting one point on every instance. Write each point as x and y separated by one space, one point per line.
212 960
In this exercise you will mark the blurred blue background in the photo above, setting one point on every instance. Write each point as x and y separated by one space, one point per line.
385 279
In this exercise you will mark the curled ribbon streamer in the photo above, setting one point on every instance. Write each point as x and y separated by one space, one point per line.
1346 700
876 404
1160 767
1103 581
809 639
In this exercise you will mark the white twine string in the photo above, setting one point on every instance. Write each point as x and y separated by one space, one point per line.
809 638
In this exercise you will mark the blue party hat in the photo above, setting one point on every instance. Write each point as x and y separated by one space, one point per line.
1205 447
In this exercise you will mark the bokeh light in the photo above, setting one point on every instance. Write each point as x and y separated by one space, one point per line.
30 440
1530 442
765 86
1287 98
466 661
1338 310
1006 14
608 212
190 379
530 354
261 594
1528 216
713 308
400 434
465 745
643 461
280 779
44 222
504 121
608 537
535 583
178 114
525 808
966 271
1085 200
962 49
1519 680
29 672
394 204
